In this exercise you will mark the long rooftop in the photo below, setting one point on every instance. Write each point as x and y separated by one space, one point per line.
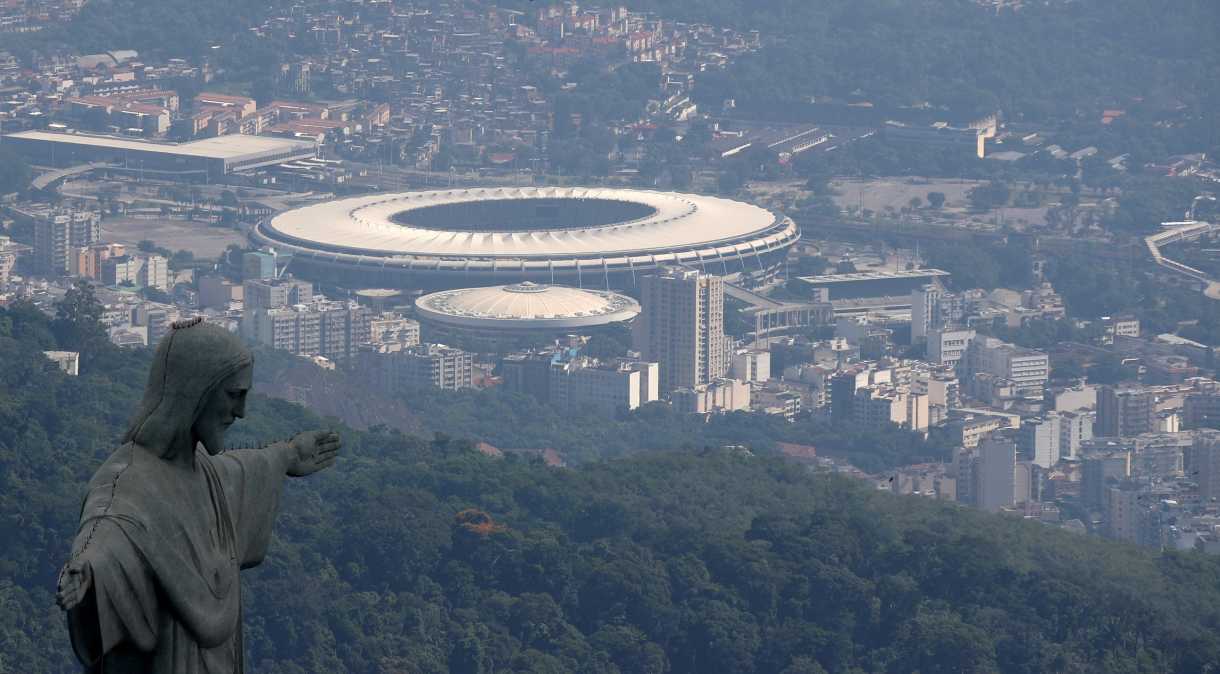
226 147
874 276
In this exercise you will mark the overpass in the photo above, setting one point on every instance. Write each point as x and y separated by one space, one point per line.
771 315
1177 232
53 178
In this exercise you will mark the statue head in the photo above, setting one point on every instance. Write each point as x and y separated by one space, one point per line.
196 389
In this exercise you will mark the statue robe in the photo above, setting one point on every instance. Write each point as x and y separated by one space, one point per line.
165 544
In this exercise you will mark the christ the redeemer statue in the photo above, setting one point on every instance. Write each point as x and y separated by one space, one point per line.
169 520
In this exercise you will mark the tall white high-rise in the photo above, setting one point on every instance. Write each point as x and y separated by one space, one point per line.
1027 368
1039 440
682 327
8 259
995 472
1205 460
154 273
58 233
925 306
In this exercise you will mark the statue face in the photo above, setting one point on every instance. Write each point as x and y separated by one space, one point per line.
226 404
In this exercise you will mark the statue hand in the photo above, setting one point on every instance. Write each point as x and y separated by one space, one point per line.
312 451
74 583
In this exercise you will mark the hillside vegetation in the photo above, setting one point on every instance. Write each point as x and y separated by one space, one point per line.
425 556
1050 59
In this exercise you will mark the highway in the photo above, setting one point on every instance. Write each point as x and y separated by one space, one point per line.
1176 232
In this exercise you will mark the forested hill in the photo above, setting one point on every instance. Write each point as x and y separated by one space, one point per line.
1052 59
416 555
516 421
218 31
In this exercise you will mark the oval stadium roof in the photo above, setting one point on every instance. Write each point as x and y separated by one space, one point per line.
526 306
461 237
367 224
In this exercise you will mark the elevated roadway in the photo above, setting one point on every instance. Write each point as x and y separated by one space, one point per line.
772 316
53 178
1177 232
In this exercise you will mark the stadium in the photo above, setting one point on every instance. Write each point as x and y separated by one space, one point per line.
511 315
584 237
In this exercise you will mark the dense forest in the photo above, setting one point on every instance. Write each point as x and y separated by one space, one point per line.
423 555
519 421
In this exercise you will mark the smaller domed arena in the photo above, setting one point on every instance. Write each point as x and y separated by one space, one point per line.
510 316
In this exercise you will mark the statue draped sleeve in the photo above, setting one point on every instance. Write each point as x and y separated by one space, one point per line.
165 564
252 479
123 606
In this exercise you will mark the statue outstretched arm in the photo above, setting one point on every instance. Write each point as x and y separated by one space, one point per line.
252 478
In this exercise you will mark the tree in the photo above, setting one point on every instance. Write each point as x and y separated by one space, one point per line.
820 172
986 197
181 258
76 326
14 172
970 266
1108 369
680 177
936 200
729 182
812 265
698 135
606 345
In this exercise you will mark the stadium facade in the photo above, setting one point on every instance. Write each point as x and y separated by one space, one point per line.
583 237
521 313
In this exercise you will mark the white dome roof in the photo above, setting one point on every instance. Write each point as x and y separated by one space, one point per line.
527 306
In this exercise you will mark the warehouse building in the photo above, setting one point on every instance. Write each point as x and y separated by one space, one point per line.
209 158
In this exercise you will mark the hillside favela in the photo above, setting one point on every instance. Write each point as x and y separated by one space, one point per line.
661 337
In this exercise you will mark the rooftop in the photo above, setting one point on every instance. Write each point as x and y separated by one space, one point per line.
527 305
561 222
874 276
220 147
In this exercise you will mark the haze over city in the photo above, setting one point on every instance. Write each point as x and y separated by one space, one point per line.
694 336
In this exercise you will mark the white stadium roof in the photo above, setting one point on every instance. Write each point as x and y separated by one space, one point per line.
680 221
526 306
507 234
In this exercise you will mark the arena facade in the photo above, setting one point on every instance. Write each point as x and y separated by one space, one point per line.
519 314
583 237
